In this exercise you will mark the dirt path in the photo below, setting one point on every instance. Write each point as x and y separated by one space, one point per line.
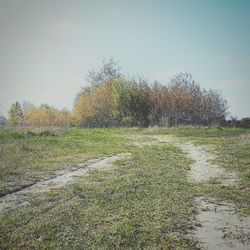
218 225
62 178
202 170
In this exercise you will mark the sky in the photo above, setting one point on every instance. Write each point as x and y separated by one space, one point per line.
48 46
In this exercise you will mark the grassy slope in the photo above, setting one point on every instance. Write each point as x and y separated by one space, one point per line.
144 202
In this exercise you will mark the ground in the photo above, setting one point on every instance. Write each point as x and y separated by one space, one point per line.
154 188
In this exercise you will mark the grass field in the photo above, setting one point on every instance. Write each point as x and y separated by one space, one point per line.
142 202
27 157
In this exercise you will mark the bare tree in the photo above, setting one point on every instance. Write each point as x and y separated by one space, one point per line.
110 70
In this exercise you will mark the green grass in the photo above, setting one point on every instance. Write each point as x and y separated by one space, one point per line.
144 202
25 158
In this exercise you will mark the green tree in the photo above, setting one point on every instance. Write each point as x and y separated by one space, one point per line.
15 113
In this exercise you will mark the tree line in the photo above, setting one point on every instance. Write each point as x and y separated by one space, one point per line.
112 100
124 102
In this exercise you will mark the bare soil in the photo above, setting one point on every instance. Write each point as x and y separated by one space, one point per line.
219 227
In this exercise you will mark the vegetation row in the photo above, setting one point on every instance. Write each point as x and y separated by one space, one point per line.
112 100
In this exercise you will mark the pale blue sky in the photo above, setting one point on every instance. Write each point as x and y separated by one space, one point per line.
47 46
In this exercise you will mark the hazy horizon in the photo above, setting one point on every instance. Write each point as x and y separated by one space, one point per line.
47 47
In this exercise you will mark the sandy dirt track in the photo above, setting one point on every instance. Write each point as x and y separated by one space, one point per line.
62 178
